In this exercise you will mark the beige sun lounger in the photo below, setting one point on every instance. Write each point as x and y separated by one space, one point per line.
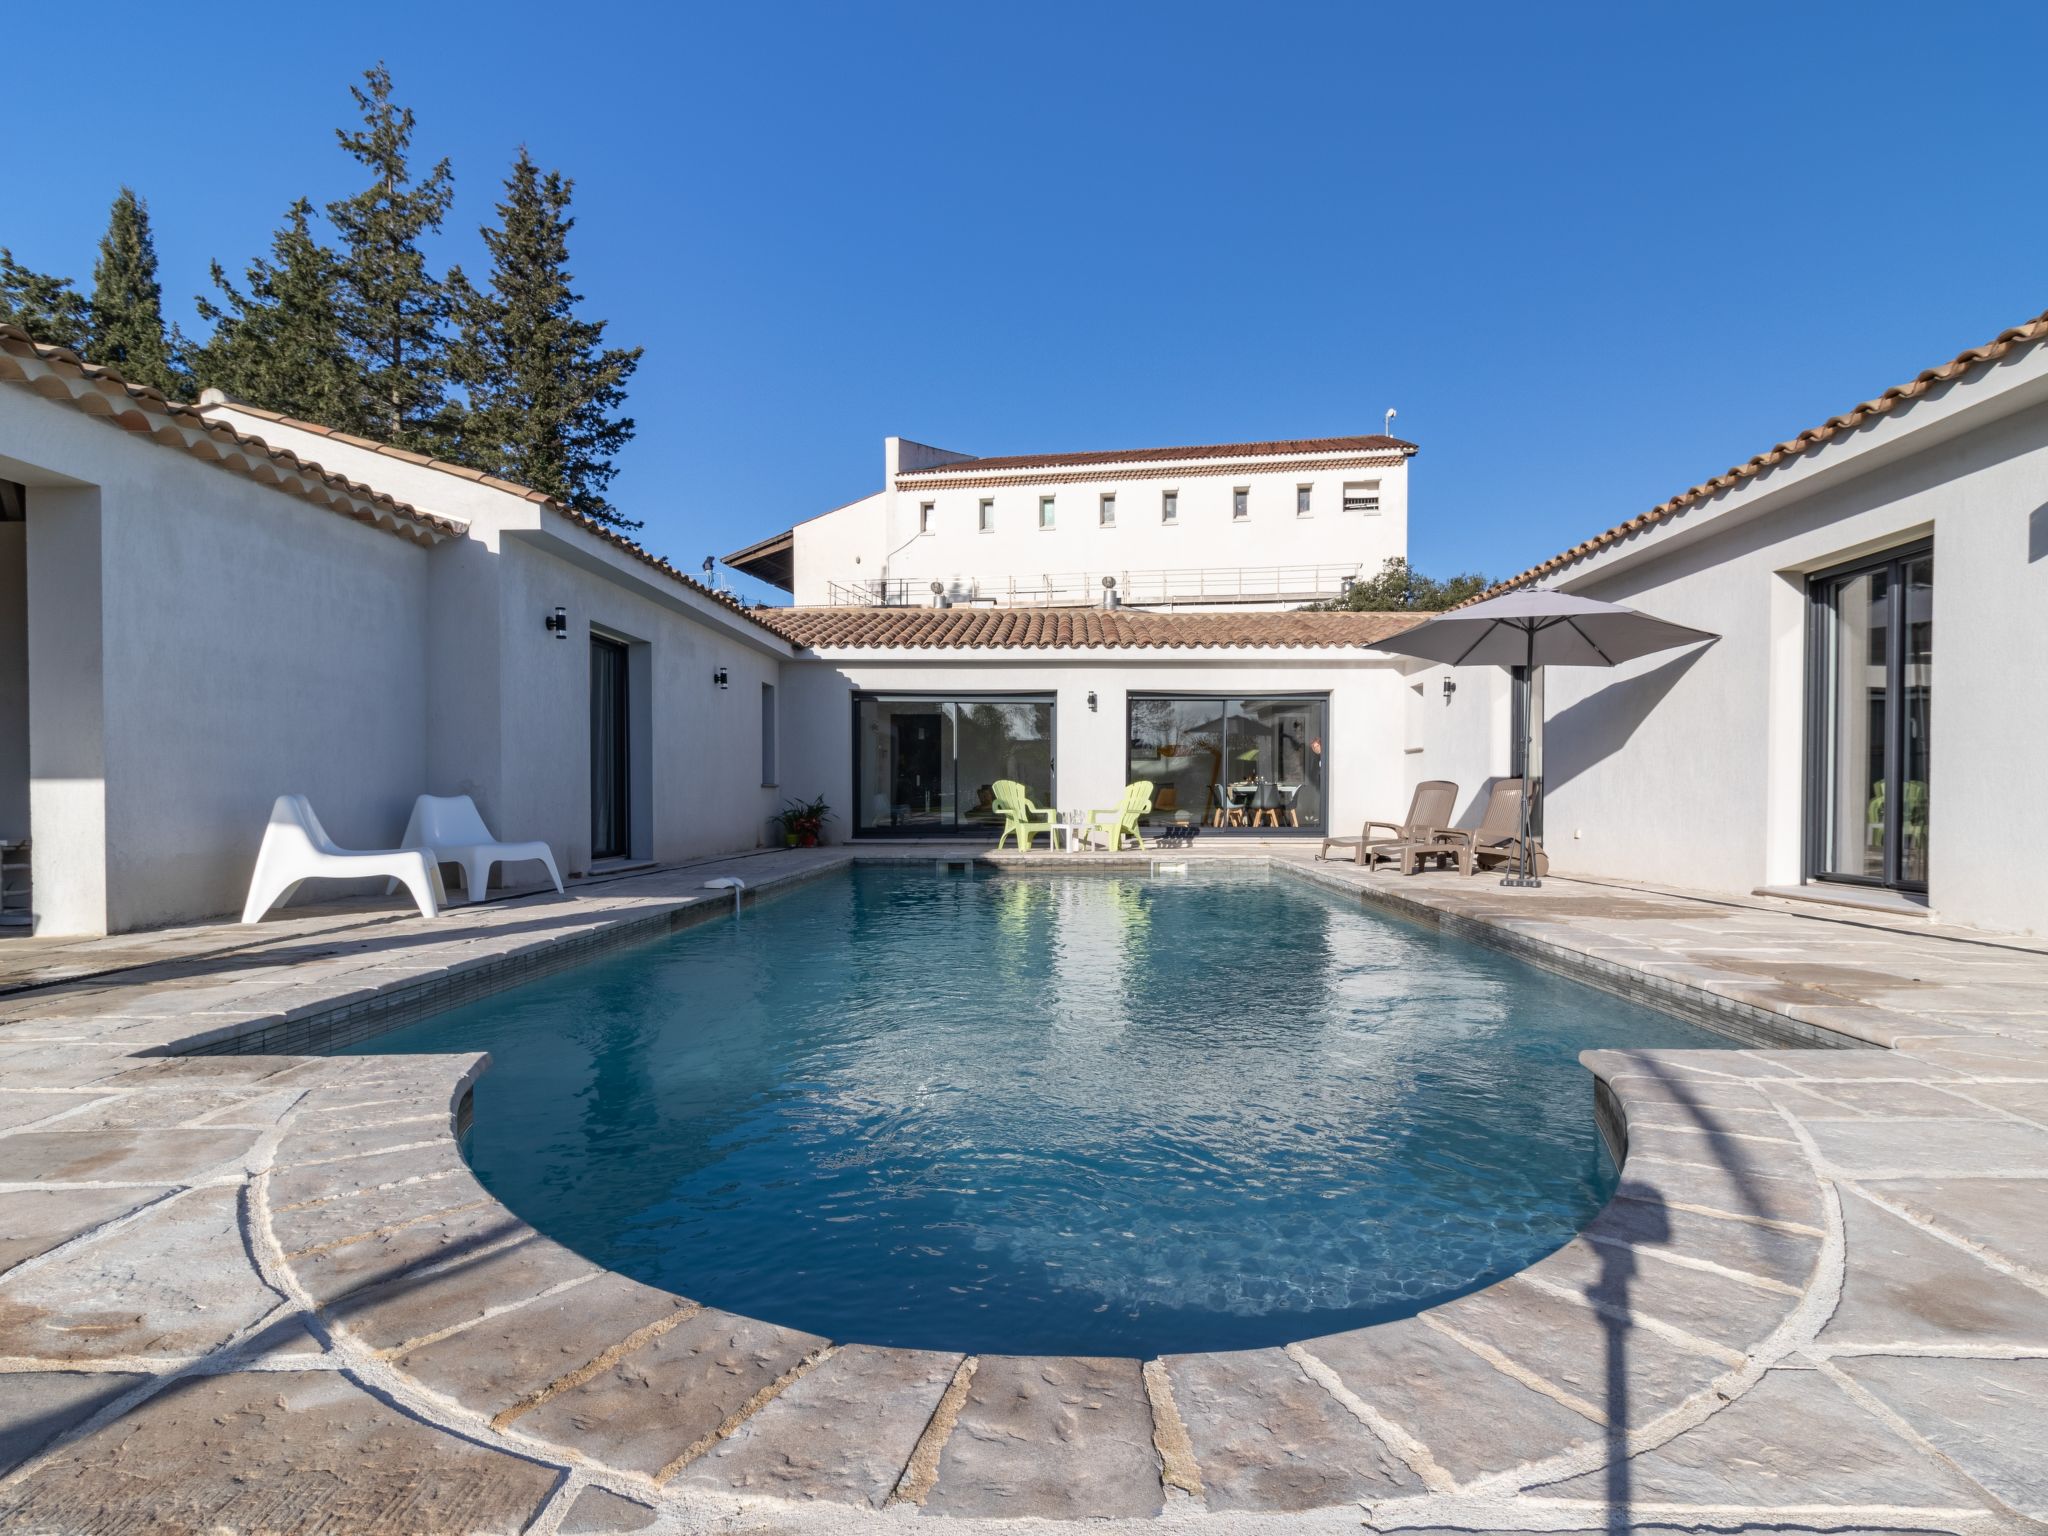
1435 802
1495 843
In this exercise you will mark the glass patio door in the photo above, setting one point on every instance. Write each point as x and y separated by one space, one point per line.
1869 753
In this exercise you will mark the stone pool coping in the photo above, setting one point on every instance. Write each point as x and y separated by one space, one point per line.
244 1292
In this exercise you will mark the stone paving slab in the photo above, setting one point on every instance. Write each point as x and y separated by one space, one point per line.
664 1403
2007 1218
1988 1415
38 1406
1745 1247
1562 1346
1794 1440
598 1512
1732 1309
1470 1418
405 1311
33 1221
504 1363
1913 1288
113 1157
175 1282
1051 1438
845 1430
1266 1435
275 1451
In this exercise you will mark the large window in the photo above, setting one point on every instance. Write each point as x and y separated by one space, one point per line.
1227 762
930 764
1869 758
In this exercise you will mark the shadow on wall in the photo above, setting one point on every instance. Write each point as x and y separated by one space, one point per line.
2037 534
1600 725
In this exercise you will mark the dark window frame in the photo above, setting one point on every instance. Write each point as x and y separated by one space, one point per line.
1819 722
862 696
1325 697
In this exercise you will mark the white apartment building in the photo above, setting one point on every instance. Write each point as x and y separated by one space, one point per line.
1271 525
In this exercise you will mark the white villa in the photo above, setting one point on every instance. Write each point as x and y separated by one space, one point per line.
204 607
1229 525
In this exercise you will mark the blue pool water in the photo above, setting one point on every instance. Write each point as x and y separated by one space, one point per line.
1082 1114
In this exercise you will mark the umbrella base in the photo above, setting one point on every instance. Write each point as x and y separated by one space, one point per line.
1528 881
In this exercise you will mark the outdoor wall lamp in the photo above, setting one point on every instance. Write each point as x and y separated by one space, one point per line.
557 623
718 676
1091 701
1450 687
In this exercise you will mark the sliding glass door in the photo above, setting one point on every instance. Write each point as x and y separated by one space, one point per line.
929 764
610 784
1229 762
1871 680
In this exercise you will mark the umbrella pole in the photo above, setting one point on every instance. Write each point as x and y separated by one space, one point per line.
1524 866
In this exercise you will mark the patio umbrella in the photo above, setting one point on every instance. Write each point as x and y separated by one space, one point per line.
1532 629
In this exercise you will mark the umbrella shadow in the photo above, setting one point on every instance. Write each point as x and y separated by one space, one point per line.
1596 727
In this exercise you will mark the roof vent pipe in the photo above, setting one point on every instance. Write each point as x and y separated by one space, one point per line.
1391 414
939 598
1109 599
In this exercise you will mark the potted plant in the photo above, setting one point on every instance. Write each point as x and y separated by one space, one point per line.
803 822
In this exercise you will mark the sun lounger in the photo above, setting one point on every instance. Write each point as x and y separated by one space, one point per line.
1435 802
451 829
296 848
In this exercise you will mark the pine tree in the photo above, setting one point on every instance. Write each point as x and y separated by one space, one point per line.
543 388
279 345
392 310
127 314
49 308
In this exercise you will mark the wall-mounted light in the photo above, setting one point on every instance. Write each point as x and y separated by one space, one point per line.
557 623
1091 701
1450 688
718 676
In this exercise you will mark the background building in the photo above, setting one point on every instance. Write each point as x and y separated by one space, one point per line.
1267 525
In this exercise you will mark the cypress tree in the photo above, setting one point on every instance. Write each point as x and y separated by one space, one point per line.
544 390
392 310
279 345
127 330
49 308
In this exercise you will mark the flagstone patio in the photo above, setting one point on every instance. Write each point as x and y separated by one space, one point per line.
263 1292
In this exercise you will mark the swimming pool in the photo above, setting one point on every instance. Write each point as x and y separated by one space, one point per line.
1049 1113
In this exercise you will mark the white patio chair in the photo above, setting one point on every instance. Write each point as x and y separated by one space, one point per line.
296 848
451 830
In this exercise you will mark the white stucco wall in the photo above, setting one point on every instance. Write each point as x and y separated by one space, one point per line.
200 644
879 536
13 681
1687 768
508 703
1364 776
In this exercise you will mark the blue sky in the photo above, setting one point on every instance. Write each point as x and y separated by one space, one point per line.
1591 254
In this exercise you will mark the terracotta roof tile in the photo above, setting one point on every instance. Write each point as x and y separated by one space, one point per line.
2022 335
1375 443
588 524
58 373
963 629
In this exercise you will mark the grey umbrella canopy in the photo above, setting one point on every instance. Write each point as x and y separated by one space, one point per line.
1534 628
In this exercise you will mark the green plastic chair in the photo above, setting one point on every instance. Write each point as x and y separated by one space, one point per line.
1123 821
1021 819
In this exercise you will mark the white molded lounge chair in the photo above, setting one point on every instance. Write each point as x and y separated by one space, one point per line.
296 848
451 830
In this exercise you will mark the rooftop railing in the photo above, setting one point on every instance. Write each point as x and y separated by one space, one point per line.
1080 589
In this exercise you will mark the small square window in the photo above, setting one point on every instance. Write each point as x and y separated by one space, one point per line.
1045 511
1107 516
1304 500
1169 507
1361 496
924 517
1241 504
988 516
